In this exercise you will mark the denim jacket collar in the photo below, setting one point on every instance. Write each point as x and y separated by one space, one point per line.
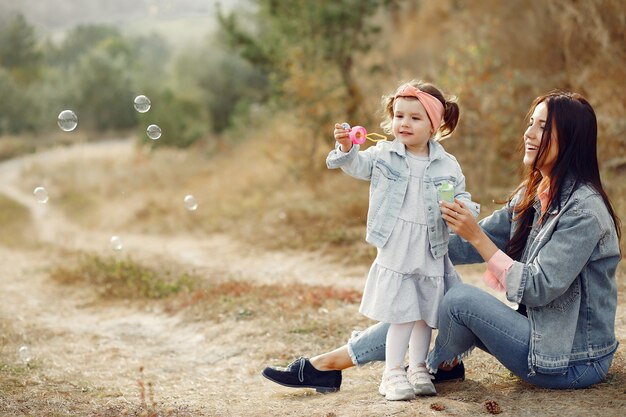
566 191
435 150
568 187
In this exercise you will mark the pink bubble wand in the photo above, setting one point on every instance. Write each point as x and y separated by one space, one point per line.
358 134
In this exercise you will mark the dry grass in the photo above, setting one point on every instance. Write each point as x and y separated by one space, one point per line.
279 322
297 319
15 223
143 192
304 312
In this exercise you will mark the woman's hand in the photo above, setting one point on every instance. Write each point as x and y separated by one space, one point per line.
341 136
462 222
460 219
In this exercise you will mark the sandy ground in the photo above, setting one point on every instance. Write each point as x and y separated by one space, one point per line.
93 351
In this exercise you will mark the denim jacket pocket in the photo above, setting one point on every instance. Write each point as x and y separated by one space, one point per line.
437 181
382 170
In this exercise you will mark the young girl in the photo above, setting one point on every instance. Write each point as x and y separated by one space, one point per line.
411 272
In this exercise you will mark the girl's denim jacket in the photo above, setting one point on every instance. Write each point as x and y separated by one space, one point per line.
566 277
385 166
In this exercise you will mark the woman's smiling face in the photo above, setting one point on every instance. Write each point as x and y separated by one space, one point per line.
533 137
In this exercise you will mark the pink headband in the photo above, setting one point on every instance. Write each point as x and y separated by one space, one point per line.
433 107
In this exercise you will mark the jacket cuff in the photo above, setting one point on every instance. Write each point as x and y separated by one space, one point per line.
497 267
336 158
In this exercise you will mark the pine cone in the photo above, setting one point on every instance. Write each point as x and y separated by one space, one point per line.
493 407
437 407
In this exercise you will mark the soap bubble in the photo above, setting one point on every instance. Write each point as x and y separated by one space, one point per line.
142 104
41 195
116 243
154 132
67 120
190 203
24 354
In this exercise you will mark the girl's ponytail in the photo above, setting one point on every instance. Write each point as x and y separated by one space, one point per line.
451 116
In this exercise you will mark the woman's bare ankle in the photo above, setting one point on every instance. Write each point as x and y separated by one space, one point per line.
319 363
336 360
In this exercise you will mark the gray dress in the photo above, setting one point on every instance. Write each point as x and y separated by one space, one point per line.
406 283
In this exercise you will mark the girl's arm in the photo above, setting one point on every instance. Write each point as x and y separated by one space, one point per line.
357 164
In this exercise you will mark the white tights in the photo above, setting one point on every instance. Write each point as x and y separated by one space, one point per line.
415 334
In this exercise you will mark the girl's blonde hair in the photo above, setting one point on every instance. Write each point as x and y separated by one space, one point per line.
451 112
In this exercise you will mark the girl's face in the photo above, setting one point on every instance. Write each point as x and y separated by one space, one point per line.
533 137
411 125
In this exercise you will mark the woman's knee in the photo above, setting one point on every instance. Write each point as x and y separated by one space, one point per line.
460 294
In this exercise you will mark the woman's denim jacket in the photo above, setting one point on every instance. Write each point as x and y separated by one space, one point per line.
566 277
385 166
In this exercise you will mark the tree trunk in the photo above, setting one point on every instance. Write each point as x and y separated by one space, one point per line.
352 89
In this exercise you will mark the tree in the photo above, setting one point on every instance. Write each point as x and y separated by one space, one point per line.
310 51
18 50
181 117
151 55
103 90
15 108
326 33
79 41
225 83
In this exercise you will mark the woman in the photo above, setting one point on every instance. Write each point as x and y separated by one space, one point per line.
554 249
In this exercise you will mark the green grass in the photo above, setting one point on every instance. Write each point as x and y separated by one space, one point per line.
125 278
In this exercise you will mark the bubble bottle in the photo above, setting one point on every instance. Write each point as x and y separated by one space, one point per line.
446 192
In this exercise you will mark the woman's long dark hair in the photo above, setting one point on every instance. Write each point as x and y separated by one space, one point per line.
572 118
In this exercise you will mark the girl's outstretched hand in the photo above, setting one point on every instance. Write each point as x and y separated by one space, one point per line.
341 136
460 220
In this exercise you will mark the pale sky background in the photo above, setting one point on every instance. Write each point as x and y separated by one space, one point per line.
180 21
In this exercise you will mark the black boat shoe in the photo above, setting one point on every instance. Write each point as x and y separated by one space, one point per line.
301 374
457 373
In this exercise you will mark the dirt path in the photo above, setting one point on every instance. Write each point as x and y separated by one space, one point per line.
82 344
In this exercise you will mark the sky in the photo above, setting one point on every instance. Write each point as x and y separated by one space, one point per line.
178 20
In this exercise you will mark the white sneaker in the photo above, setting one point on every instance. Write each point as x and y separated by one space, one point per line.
421 380
395 386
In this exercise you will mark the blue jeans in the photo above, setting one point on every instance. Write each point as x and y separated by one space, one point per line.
470 317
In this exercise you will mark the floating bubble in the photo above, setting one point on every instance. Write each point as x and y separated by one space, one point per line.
24 354
190 203
154 132
41 195
116 243
67 120
142 104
